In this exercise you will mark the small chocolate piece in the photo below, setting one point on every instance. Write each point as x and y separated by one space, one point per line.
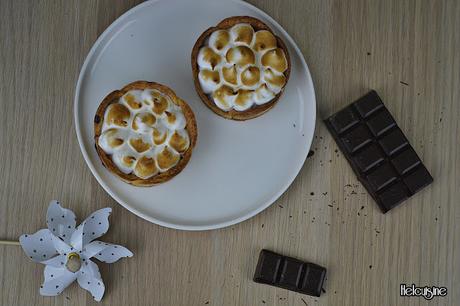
289 273
378 151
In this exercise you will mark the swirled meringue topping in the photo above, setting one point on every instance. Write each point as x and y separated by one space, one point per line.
240 67
144 133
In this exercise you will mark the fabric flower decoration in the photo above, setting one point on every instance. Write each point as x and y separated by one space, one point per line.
66 251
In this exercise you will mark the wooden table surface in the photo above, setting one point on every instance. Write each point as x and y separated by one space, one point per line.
407 50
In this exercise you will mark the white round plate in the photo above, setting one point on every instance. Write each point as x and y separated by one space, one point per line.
238 168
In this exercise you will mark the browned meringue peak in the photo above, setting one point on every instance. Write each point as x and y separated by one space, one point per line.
264 91
146 118
242 33
275 59
264 40
210 75
240 55
118 114
209 56
147 102
112 138
128 160
132 102
178 142
244 98
219 39
160 104
276 80
145 167
156 96
171 117
139 145
230 74
167 158
159 136
223 94
250 76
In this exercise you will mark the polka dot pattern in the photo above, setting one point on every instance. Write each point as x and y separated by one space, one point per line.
96 225
61 246
90 279
57 261
107 252
38 246
60 279
60 221
53 245
53 273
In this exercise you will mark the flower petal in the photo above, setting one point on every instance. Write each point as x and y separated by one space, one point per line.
90 279
38 246
61 222
55 284
106 252
60 245
96 225
57 261
54 272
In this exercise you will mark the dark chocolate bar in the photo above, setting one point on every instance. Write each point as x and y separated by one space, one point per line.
289 273
377 150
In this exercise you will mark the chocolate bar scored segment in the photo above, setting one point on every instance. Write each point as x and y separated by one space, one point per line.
378 151
289 273
268 267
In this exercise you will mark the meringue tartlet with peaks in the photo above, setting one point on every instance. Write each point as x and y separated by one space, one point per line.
240 68
144 133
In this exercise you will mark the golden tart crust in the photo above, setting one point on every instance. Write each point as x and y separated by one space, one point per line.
226 24
145 164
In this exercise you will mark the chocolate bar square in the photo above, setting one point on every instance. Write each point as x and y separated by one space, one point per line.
369 157
289 273
405 161
381 123
381 177
378 151
267 268
313 279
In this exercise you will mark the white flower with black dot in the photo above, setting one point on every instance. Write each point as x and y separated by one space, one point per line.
66 251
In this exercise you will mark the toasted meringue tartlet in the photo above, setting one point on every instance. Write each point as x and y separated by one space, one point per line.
144 133
240 68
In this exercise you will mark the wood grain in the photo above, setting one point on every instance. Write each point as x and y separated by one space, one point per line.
407 50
